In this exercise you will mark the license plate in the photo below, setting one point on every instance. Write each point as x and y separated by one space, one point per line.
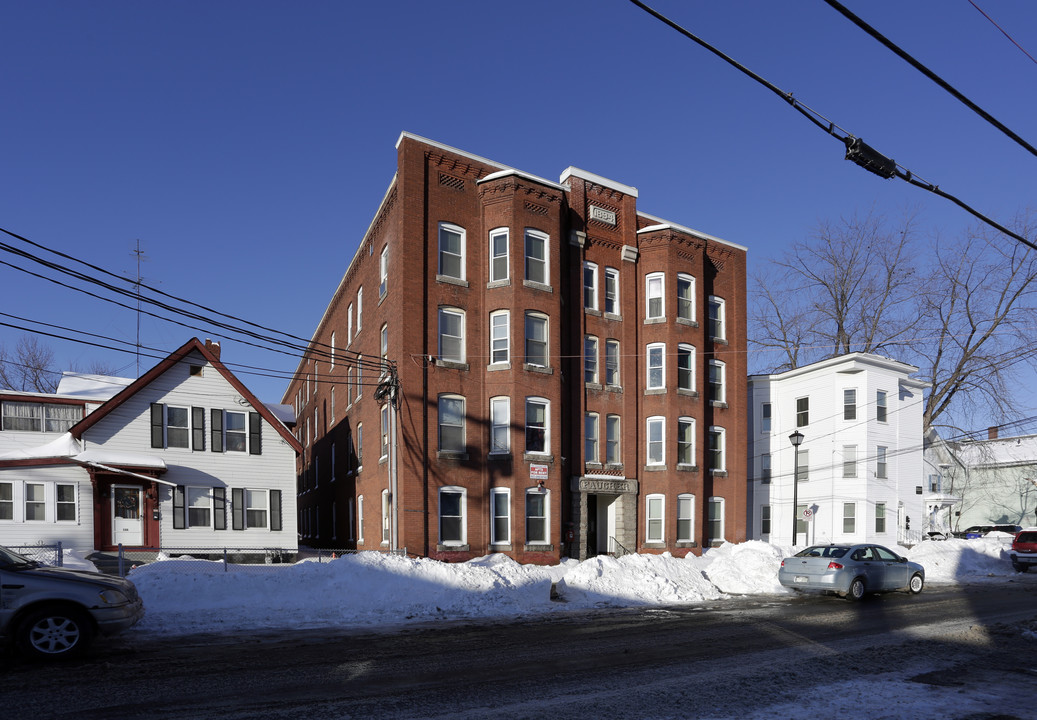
802 578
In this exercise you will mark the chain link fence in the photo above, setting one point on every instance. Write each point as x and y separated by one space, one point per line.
46 554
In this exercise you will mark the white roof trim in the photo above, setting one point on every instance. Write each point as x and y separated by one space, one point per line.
663 224
519 173
447 148
597 180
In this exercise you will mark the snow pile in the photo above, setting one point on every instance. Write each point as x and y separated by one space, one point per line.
371 589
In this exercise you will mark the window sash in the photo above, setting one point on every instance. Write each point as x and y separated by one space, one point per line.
500 419
451 424
536 426
655 441
590 359
451 253
685 518
590 437
656 366
612 439
685 298
654 292
499 328
536 516
500 517
686 442
536 258
451 516
611 291
498 255
611 362
536 340
849 404
451 335
654 519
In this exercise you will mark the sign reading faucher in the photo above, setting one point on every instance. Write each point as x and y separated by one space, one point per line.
614 486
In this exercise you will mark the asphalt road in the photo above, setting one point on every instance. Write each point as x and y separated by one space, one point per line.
721 660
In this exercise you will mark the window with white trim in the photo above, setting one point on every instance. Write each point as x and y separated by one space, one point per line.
717 318
717 452
383 345
611 291
765 519
590 359
881 409
685 518
38 417
765 467
359 446
360 519
717 377
655 506
359 309
35 502
451 251
685 367
612 439
765 417
881 466
685 297
849 403
384 422
500 332
656 366
590 437
537 419
849 461
383 272
802 411
803 455
499 265
536 339
612 362
500 424
880 517
386 517
257 507
6 501
199 507
451 335
536 244
656 440
849 518
500 516
590 286
451 423
715 519
655 308
686 441
349 324
537 512
65 506
453 503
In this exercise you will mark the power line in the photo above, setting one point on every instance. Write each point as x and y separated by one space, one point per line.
856 150
900 52
1010 38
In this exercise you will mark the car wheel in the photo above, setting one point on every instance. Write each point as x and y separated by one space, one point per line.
55 632
1018 568
856 589
916 584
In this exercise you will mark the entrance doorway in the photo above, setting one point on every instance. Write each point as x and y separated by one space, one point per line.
127 518
601 524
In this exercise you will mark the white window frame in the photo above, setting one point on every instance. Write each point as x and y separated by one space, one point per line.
612 362
766 411
718 434
590 286
881 406
849 403
655 440
500 500
532 262
881 462
765 467
655 518
495 256
804 464
849 461
880 518
500 337
386 517
349 325
686 303
611 291
849 518
591 436
655 366
590 359
446 229
534 319
765 519
383 417
500 424
717 318
446 340
74 502
207 507
711 522
655 290
360 519
686 375
383 272
462 518
802 411
251 509
546 428
241 433
717 381
686 425
545 536
451 407
359 309
613 439
686 517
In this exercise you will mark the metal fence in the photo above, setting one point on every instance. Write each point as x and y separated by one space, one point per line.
47 554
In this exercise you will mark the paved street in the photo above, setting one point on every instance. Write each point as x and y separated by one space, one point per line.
722 660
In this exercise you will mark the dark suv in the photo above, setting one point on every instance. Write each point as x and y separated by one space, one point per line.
1024 550
53 613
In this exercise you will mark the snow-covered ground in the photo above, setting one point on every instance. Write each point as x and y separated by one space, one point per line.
372 590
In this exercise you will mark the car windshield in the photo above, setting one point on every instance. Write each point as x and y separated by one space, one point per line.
828 551
13 561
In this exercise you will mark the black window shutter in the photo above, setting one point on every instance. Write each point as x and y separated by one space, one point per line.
158 416
179 511
219 508
255 434
217 430
275 509
237 503
198 428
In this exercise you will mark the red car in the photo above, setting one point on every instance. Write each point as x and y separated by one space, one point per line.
1024 550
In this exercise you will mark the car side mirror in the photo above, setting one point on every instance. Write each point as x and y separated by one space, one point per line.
902 559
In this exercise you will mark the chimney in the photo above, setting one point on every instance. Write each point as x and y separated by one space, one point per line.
992 433
214 348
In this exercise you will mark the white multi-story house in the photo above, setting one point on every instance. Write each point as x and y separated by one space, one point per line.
994 480
858 419
182 457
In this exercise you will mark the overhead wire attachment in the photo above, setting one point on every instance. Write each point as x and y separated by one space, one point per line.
869 158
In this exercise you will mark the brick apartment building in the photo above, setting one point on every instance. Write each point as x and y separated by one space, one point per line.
516 365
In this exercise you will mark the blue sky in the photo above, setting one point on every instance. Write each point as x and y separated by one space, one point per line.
247 145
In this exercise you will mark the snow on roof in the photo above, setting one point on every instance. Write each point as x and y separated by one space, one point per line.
1006 451
100 456
94 387
63 446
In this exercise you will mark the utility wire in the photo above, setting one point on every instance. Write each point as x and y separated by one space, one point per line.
1010 38
931 75
856 150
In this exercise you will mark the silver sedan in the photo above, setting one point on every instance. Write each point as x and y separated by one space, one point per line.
851 570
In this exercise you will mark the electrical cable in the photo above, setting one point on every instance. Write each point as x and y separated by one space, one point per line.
856 150
930 74
1003 32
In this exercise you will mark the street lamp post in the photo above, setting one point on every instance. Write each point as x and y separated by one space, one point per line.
796 439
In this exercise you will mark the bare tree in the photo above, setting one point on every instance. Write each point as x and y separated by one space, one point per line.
29 367
850 288
963 311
